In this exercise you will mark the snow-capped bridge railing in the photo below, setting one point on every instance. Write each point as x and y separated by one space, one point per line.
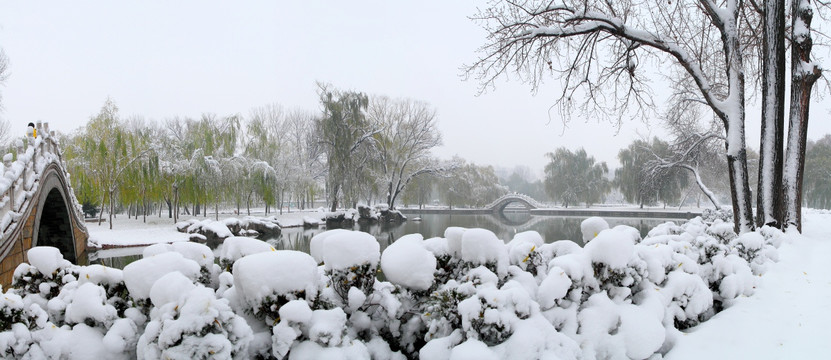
514 197
20 178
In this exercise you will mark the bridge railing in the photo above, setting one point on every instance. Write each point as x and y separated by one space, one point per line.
19 181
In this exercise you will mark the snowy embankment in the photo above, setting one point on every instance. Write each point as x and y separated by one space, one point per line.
132 232
462 296
787 317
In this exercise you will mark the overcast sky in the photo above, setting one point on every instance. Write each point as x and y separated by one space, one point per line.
162 59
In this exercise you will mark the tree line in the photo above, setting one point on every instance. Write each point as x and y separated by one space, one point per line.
355 149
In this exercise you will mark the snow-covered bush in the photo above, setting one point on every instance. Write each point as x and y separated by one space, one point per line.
407 263
266 281
591 227
197 326
235 247
480 247
351 260
465 295
140 275
42 278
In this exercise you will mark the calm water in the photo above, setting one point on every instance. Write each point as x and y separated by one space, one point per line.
552 228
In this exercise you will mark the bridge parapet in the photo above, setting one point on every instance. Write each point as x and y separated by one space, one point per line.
38 163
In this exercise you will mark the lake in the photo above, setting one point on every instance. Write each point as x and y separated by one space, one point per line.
552 228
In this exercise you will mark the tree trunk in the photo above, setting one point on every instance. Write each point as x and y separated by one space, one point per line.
216 207
740 191
101 213
111 208
768 201
804 73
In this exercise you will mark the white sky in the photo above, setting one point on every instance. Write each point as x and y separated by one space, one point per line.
162 59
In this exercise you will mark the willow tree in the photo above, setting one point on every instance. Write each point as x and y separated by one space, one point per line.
595 48
343 129
110 151
574 176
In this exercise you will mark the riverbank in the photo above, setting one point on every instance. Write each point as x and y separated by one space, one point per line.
137 233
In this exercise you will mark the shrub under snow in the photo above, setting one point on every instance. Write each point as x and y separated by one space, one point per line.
468 295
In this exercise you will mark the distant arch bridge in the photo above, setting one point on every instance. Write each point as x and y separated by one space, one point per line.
499 205
38 206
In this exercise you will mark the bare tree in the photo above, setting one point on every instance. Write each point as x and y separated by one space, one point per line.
531 39
4 72
404 145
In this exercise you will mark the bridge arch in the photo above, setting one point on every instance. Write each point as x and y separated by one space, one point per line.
54 225
37 205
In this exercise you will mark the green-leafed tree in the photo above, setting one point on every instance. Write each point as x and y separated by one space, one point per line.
108 149
343 129
573 177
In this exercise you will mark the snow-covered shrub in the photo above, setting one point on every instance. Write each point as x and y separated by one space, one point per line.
112 281
722 231
447 265
619 330
84 304
12 311
235 247
481 247
266 281
201 254
42 278
524 252
688 299
407 263
317 241
591 227
140 275
615 264
198 326
351 260
723 214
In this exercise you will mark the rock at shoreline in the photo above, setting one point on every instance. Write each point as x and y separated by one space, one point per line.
215 231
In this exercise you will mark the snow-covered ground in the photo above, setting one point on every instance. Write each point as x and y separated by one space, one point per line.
135 232
787 317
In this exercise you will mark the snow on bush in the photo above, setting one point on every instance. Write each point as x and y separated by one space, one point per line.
198 326
591 227
408 263
465 295
266 281
235 247
140 275
351 260
482 247
317 241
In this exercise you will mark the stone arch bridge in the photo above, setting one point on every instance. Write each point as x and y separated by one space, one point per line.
38 206
499 205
